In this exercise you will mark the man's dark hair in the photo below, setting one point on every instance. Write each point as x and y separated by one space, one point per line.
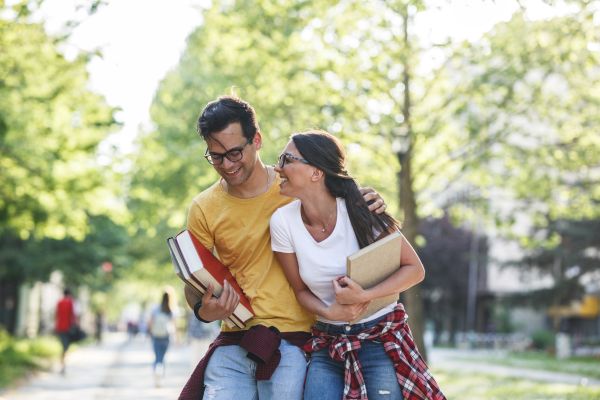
66 292
226 110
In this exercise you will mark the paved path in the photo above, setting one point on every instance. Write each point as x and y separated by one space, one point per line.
461 360
119 369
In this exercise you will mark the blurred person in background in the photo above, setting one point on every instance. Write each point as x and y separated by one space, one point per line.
64 319
98 325
200 335
161 328
143 320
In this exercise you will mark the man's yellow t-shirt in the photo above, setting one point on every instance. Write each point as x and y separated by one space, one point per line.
238 229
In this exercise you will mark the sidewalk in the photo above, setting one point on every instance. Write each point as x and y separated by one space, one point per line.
119 369
458 360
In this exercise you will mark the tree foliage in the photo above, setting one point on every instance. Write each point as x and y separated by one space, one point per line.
79 261
572 263
50 126
525 129
512 113
525 120
255 50
53 192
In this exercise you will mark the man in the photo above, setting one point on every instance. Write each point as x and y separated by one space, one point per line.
232 218
64 318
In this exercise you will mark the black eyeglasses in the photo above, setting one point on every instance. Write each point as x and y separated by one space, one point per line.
232 155
286 157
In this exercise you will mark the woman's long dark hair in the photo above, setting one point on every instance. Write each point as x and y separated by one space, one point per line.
325 152
165 304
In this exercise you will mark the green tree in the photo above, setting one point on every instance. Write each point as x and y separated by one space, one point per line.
299 72
80 261
356 69
50 127
53 190
575 257
254 49
525 115
526 125
377 109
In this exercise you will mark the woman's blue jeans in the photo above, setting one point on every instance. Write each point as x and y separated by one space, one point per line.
160 346
325 376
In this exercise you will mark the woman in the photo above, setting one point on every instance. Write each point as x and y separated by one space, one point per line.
375 358
161 328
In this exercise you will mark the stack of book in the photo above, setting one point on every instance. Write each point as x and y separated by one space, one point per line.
198 268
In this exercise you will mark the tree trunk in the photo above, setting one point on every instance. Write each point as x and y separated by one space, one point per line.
9 303
410 222
412 297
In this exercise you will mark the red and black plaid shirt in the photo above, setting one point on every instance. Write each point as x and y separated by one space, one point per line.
393 331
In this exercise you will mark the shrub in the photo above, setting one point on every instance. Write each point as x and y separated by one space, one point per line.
543 340
17 356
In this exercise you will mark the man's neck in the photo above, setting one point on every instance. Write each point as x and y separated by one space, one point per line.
257 184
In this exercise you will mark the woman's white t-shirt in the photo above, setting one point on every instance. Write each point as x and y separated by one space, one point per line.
319 263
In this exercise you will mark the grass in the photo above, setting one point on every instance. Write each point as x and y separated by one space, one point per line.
20 356
470 386
586 366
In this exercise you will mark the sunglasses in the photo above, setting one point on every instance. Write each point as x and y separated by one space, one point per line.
287 158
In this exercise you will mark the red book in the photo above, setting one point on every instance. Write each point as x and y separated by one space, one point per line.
198 268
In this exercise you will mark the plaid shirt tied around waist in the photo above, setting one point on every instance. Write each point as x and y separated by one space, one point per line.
393 332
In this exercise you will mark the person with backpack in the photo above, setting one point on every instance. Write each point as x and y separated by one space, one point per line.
161 328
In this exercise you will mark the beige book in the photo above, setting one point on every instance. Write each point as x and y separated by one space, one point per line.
372 265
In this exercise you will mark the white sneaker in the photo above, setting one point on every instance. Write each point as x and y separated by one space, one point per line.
157 377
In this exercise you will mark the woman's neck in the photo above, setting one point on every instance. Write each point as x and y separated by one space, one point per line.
319 209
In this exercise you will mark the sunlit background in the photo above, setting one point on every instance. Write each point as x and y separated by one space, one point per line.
477 121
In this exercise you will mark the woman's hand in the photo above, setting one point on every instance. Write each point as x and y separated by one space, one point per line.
345 312
349 292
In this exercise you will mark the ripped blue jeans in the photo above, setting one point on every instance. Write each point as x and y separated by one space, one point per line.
230 375
325 376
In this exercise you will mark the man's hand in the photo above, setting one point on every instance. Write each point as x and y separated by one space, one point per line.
192 296
349 292
218 308
375 201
